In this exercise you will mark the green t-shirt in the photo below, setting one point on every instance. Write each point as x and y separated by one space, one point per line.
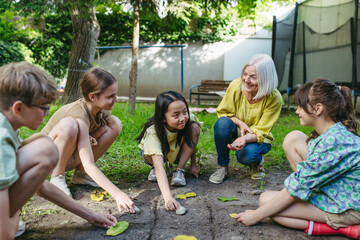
10 143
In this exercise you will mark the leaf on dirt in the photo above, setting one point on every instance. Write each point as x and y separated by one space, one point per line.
181 196
184 237
119 228
190 194
98 196
185 196
225 199
233 215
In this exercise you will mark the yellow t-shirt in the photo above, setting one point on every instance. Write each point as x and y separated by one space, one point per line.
150 143
260 116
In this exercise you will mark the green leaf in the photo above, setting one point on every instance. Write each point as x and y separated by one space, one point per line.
225 199
119 228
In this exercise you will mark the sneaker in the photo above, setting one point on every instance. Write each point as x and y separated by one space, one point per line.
178 178
82 178
21 229
219 175
257 172
152 176
59 181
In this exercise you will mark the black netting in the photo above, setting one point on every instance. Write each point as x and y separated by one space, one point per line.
282 36
324 44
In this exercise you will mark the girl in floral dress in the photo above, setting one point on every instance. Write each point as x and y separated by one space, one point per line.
322 195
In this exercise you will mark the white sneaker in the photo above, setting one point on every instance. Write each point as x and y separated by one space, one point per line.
219 175
60 182
178 178
21 229
83 178
152 176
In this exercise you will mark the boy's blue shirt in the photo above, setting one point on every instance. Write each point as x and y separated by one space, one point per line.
10 143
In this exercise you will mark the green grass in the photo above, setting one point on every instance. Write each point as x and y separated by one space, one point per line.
122 162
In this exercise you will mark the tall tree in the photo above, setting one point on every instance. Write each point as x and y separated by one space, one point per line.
135 56
180 9
86 31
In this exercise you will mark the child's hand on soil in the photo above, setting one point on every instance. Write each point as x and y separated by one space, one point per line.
103 220
248 218
171 204
124 202
195 170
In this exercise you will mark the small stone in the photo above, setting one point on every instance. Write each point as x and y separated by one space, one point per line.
256 192
137 210
235 144
181 210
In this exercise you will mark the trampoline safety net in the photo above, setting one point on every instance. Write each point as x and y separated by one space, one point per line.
319 38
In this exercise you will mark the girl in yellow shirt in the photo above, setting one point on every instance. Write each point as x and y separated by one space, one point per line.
170 136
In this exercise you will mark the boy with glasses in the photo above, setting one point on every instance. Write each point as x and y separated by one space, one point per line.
25 93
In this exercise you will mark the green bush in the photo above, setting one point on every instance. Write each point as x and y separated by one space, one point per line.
10 52
51 49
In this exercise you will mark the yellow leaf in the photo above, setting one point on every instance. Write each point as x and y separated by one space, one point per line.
184 237
190 194
181 196
232 215
98 196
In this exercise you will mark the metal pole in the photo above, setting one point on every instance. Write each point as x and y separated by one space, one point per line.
182 70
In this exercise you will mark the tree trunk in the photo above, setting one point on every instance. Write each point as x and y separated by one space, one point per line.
86 31
134 60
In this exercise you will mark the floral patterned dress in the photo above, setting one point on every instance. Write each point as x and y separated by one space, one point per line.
330 177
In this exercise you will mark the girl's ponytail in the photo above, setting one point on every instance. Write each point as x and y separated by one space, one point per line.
346 112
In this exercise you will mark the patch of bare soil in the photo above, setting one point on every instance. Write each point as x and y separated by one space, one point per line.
207 217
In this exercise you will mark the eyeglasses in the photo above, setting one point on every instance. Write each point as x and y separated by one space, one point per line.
46 109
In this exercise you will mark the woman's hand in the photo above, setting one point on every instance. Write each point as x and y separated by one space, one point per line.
244 129
123 201
103 220
238 144
171 204
248 218
195 170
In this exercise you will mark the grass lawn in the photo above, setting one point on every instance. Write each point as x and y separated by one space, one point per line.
122 162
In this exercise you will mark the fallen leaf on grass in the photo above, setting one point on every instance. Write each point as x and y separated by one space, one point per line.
119 228
185 196
98 196
184 237
233 215
225 199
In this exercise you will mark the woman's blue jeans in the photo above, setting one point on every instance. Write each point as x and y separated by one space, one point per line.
225 132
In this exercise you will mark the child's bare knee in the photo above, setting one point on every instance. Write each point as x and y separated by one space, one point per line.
265 197
115 124
49 153
68 127
290 138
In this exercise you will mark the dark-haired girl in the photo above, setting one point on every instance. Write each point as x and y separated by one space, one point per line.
322 195
170 136
83 131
